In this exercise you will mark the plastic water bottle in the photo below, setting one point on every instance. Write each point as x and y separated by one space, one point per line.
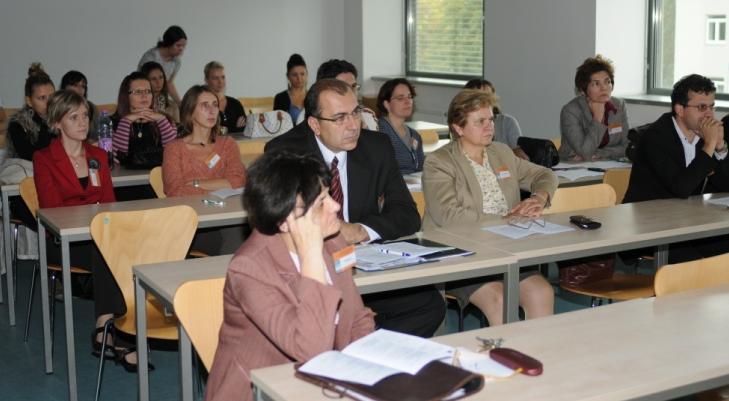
106 131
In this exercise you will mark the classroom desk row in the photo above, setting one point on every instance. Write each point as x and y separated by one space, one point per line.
625 227
644 349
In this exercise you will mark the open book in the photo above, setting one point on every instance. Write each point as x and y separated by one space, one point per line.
373 257
386 365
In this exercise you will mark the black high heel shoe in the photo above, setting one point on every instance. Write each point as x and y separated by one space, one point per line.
110 352
128 366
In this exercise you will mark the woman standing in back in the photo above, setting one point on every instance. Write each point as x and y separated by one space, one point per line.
168 53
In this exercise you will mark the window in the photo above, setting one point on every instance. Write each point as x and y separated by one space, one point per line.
720 84
676 47
444 38
716 29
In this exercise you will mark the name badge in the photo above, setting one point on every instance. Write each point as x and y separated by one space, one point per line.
212 160
615 129
503 173
94 177
344 259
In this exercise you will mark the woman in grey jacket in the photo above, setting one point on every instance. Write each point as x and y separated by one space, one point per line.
594 124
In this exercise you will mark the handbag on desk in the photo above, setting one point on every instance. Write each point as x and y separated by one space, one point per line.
540 151
268 124
145 149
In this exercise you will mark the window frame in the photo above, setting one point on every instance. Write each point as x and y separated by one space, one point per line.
409 30
654 26
716 20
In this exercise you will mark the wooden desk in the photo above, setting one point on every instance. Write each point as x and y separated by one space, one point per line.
629 226
71 224
120 177
647 349
425 125
164 279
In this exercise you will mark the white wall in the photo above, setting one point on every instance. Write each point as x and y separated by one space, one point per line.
105 39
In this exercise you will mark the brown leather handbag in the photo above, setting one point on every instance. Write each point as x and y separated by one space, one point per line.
585 271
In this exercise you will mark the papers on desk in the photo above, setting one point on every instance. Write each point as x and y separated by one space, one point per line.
600 164
376 356
517 232
374 257
413 181
483 364
577 173
719 201
227 192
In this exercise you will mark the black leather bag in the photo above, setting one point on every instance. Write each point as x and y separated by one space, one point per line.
634 136
145 149
540 151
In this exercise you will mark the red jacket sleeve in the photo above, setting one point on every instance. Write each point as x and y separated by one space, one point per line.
48 195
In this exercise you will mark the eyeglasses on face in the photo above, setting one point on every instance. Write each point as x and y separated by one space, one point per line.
140 92
402 98
356 87
702 107
341 118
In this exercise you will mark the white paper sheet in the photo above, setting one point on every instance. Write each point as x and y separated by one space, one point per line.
517 233
603 164
719 201
409 249
578 173
399 351
339 366
225 193
482 364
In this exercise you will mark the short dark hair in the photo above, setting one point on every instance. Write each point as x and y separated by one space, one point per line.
694 83
274 181
386 92
478 83
187 107
590 66
72 78
295 61
36 77
171 36
334 67
311 102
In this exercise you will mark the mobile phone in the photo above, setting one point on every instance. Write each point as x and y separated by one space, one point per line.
514 359
585 223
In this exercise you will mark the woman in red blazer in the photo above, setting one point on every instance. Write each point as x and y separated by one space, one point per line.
71 172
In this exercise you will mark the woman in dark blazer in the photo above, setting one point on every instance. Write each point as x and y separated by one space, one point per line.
292 99
71 172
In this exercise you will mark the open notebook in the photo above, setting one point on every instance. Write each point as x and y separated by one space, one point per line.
390 255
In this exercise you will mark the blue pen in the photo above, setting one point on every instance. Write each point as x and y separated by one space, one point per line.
404 254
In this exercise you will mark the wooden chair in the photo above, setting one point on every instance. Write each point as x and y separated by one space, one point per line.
618 179
556 141
620 287
140 237
250 150
419 199
30 196
155 181
108 107
582 197
257 104
430 136
700 273
199 307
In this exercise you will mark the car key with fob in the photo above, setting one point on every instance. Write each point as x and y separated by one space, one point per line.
514 359
584 222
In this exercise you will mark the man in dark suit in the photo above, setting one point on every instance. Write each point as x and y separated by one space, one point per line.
376 203
683 153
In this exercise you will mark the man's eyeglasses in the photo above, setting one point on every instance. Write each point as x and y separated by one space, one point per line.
702 107
356 87
341 118
140 92
526 223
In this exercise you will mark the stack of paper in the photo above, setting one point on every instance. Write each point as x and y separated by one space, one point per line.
396 254
518 232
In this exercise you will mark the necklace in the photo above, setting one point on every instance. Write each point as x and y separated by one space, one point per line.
75 159
137 128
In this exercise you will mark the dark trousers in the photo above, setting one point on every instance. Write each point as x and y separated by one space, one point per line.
107 295
698 249
417 311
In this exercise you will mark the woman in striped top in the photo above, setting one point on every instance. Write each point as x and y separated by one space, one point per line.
137 127
395 103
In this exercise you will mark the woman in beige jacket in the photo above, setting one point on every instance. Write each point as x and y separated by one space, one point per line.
473 179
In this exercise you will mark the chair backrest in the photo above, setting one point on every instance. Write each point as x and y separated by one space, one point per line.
140 237
156 182
429 136
556 141
618 179
29 194
582 197
419 199
199 308
257 104
251 146
700 273
108 107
